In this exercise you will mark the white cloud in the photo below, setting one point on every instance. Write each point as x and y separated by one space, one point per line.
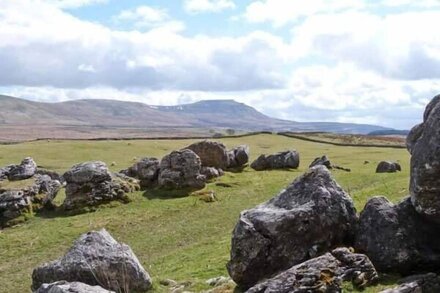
143 16
67 4
199 6
281 12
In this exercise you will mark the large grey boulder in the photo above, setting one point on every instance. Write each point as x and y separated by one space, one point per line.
426 283
211 153
322 274
308 218
238 156
388 167
146 170
181 169
25 170
70 287
281 160
18 204
423 143
91 183
96 259
396 238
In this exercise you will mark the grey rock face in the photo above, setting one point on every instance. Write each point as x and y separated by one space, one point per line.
181 169
396 238
25 170
282 160
211 153
4 172
324 161
15 203
91 183
388 167
211 172
423 142
427 283
311 216
238 156
322 274
96 259
146 170
52 174
73 287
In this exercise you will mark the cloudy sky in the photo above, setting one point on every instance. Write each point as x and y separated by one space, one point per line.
363 61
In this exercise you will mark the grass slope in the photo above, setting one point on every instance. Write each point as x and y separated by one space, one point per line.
179 238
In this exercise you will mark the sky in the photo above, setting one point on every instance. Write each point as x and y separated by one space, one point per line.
362 61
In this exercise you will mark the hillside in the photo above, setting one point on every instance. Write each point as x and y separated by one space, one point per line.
22 119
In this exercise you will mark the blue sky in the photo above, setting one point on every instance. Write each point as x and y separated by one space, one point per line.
362 61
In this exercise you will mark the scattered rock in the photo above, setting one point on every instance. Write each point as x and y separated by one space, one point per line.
396 238
427 283
74 287
25 170
388 167
211 172
52 174
218 281
311 216
324 161
96 259
181 169
91 183
146 170
16 205
238 156
211 153
282 160
323 274
423 142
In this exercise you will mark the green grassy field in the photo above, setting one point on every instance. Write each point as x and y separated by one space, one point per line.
184 239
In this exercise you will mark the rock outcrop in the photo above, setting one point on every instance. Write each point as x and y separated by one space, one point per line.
238 157
324 161
146 170
211 153
282 160
181 169
91 183
4 172
96 259
423 142
388 167
17 204
310 217
426 283
396 238
25 170
322 274
73 287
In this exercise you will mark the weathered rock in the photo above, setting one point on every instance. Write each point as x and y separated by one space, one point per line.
96 259
146 170
16 205
322 274
282 160
181 169
324 161
25 170
311 216
388 167
211 153
238 156
73 287
396 238
427 283
91 183
423 142
211 172
4 172
52 174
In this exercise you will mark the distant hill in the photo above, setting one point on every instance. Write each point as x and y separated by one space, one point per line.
89 116
389 132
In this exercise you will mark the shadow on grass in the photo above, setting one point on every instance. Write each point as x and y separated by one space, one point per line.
166 194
